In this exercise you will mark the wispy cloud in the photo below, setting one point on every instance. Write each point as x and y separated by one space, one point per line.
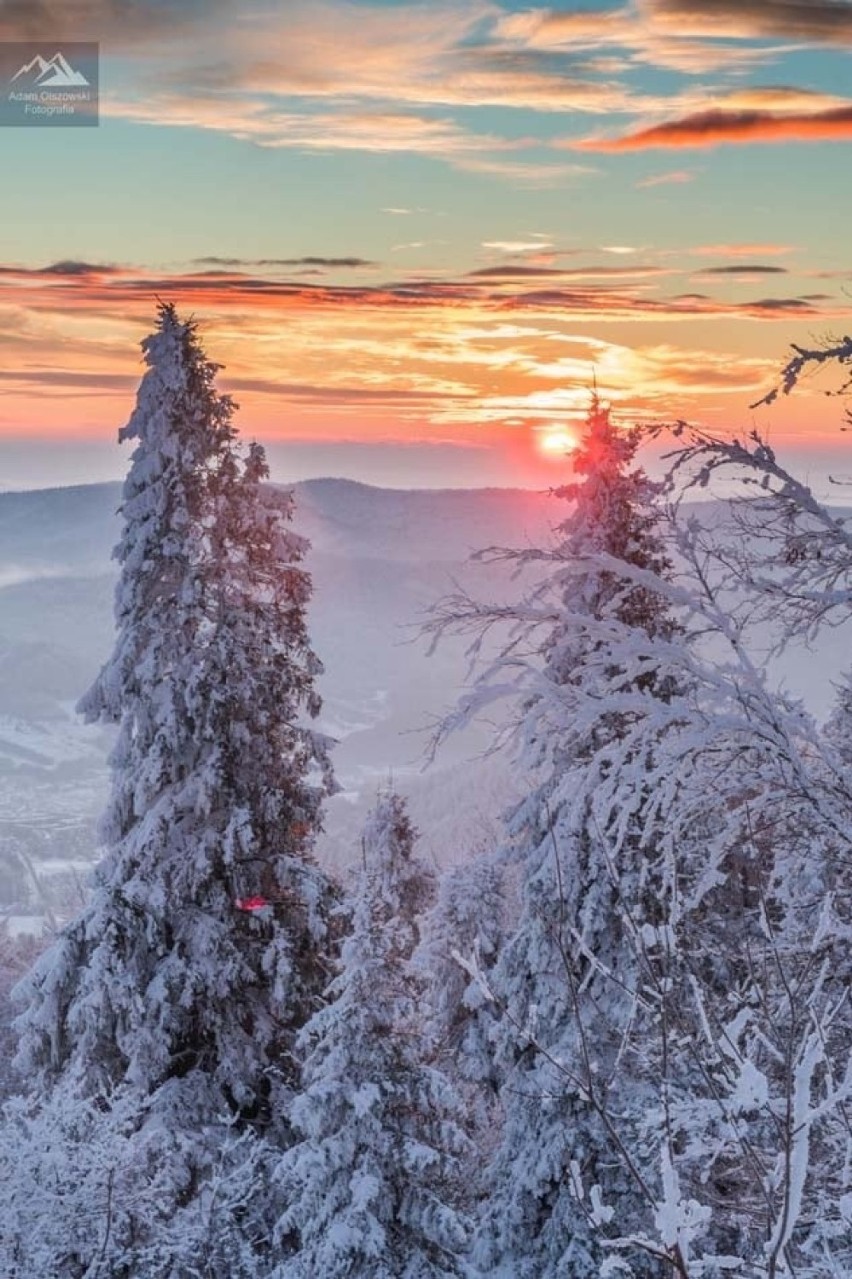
418 55
319 130
761 250
549 28
335 75
530 173
538 245
676 177
327 129
638 34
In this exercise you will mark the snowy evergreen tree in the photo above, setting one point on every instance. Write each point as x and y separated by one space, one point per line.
764 1148
467 920
205 947
839 726
372 1183
749 977
590 878
89 1190
673 1030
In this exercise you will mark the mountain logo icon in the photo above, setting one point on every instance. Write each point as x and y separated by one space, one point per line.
56 73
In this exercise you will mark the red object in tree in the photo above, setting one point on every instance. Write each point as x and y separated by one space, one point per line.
251 903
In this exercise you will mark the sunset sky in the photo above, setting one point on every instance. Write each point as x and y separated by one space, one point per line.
416 234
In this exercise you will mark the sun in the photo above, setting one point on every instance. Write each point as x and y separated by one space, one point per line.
555 443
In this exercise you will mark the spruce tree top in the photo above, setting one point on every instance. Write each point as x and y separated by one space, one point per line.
614 514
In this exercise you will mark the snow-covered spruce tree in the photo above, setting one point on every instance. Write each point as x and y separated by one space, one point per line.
838 728
742 1000
468 918
695 1104
373 1183
91 1190
565 982
204 948
749 1123
772 1166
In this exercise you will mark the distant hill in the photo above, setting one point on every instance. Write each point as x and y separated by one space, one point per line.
379 558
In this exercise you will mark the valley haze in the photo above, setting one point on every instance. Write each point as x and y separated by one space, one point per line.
380 558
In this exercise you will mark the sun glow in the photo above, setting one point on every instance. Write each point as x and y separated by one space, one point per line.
556 443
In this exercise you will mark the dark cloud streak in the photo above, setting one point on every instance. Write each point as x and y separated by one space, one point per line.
744 269
350 263
718 128
130 293
819 21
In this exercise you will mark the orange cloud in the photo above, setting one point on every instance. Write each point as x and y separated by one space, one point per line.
716 128
400 359
389 357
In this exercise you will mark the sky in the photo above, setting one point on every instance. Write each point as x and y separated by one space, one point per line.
417 235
